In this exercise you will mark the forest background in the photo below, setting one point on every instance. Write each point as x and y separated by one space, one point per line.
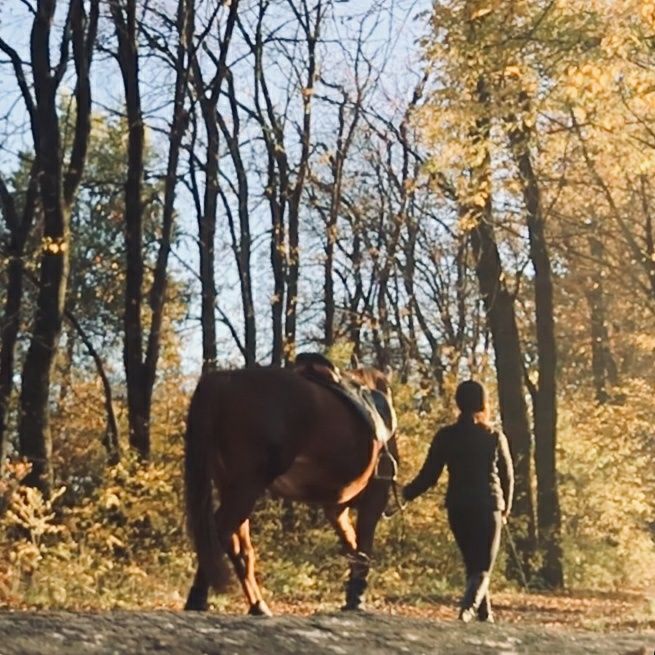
455 189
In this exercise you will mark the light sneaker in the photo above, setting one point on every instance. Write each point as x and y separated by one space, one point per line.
467 615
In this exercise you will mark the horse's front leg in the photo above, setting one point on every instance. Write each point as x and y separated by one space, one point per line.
370 505
339 518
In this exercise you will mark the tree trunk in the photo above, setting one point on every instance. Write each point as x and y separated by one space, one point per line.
354 311
243 246
57 193
10 326
208 96
603 366
207 236
111 437
343 143
128 58
277 185
501 318
278 250
328 285
19 229
179 124
545 405
293 258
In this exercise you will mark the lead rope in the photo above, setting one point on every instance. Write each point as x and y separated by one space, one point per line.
517 559
396 496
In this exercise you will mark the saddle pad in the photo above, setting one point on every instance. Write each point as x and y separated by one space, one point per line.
370 404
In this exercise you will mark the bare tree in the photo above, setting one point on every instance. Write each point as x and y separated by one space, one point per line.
241 244
208 94
140 370
19 223
285 182
57 188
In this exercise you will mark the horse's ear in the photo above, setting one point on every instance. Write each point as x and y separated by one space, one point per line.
388 373
354 360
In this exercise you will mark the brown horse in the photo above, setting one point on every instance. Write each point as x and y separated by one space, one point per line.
261 429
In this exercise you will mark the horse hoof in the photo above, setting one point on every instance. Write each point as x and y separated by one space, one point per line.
260 608
351 607
196 601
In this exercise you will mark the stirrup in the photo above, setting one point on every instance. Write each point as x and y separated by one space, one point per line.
386 455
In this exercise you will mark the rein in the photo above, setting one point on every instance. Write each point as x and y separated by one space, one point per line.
396 496
385 454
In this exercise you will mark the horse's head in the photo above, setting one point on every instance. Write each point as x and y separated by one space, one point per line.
378 382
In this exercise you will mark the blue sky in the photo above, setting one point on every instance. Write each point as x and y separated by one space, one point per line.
391 44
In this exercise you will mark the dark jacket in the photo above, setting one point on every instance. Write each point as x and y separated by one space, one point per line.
480 471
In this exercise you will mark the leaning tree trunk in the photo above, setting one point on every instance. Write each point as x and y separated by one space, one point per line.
501 319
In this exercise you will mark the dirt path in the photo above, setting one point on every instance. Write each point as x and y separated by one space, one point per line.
135 633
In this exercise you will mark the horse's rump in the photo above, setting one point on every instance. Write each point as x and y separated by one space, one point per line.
272 427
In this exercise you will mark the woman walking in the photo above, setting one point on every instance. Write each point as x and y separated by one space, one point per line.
479 495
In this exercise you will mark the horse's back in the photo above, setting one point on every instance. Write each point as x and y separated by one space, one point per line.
273 424
254 396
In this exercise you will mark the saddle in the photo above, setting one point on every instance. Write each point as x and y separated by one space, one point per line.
369 404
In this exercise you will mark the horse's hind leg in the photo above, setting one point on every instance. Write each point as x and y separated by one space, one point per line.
197 598
199 592
243 558
234 532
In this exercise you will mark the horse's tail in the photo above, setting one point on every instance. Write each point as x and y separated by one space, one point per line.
199 502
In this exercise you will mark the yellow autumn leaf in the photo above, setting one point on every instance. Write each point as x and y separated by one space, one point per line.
480 13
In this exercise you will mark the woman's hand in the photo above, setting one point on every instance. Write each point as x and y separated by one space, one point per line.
395 502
